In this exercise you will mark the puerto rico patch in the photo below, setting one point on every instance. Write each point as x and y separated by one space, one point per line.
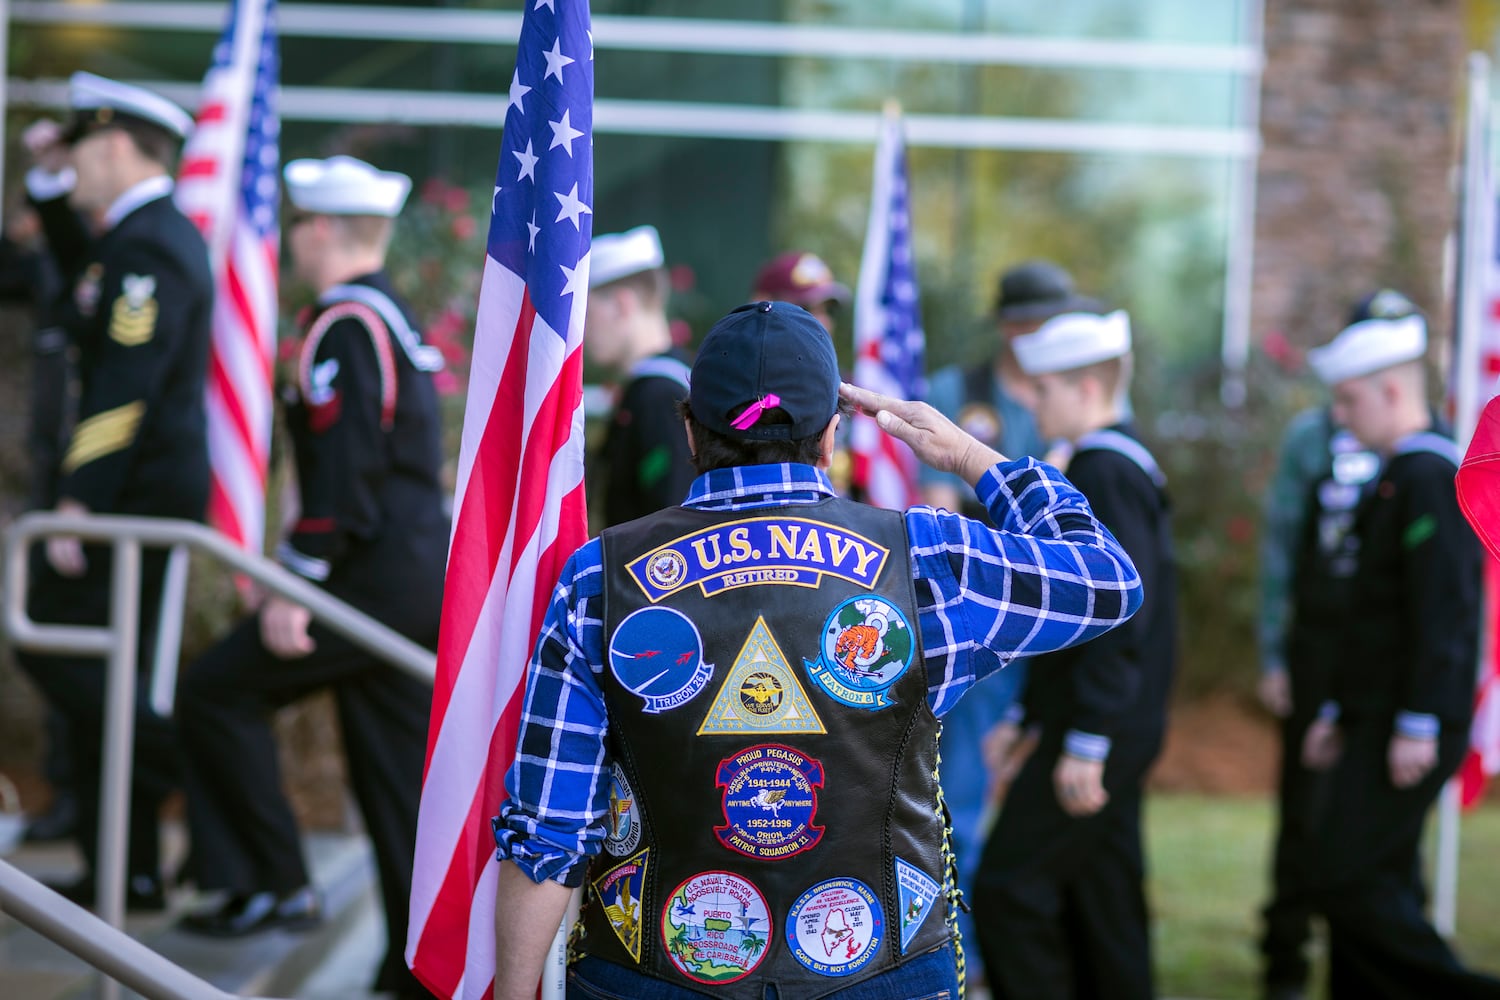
915 892
835 927
770 800
624 820
619 891
761 693
716 927
867 645
657 653
756 551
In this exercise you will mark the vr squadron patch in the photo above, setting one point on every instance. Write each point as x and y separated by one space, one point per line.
770 800
132 319
657 653
716 927
835 927
915 891
619 891
761 694
867 646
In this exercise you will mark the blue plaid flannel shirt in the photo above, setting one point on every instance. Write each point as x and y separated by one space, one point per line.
1050 577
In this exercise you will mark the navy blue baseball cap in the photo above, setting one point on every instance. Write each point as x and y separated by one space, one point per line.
760 356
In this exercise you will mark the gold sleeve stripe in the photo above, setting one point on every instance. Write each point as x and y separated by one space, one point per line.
103 434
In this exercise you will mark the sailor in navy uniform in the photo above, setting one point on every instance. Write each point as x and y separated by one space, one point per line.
136 309
645 455
1397 721
1058 898
373 531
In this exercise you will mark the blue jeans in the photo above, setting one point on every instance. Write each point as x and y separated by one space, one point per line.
933 976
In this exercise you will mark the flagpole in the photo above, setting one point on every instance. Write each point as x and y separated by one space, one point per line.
1477 230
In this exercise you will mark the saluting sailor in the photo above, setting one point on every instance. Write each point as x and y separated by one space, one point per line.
136 308
372 530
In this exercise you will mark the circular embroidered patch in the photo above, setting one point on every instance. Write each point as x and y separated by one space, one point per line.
835 927
657 653
867 646
716 927
624 820
770 798
666 569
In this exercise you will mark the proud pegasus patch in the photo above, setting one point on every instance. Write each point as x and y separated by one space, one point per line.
770 800
758 551
867 645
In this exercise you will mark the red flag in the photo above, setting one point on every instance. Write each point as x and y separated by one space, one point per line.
519 510
228 185
1479 496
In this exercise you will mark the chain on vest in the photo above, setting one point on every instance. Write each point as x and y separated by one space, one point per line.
773 816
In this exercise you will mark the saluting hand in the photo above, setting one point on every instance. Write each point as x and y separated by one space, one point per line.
43 140
1080 785
934 438
1410 759
283 628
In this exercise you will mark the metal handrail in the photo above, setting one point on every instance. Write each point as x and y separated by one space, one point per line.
117 641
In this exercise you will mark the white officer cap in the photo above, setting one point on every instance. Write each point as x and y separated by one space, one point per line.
342 185
96 100
1073 340
619 255
1369 346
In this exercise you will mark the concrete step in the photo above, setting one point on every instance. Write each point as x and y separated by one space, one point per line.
273 963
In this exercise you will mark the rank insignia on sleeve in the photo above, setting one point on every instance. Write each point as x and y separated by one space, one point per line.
623 824
716 926
867 645
620 890
770 800
916 891
657 653
132 318
836 927
761 693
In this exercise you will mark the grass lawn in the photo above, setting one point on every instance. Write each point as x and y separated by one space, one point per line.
1208 863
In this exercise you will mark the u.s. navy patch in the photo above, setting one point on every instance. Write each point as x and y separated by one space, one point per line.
657 653
757 551
915 892
770 800
835 927
619 891
624 820
716 927
132 318
761 693
867 645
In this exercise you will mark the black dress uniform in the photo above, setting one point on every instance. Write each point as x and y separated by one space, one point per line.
649 466
1411 638
1058 901
373 531
137 310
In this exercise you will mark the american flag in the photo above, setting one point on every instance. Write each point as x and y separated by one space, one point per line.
519 512
888 338
228 185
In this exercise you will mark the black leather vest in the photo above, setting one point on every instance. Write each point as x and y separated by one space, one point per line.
774 815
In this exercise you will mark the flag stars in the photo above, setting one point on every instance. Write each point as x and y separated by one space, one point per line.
518 90
528 160
556 60
549 4
572 280
563 133
571 208
533 229
494 198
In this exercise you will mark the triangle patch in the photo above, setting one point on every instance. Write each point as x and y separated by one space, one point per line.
761 694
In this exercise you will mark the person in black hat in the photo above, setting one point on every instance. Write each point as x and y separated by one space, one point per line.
371 530
731 720
136 309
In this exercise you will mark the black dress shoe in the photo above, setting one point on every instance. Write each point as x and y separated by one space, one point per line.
59 822
143 893
246 913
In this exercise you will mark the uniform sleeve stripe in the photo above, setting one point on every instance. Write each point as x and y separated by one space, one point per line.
103 434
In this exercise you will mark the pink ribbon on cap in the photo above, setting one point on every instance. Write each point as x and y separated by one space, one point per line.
754 410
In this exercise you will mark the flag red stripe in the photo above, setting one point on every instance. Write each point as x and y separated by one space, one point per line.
198 166
221 512
215 112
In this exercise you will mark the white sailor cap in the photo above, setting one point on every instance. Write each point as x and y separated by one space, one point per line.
1073 340
1369 346
342 185
619 255
96 100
